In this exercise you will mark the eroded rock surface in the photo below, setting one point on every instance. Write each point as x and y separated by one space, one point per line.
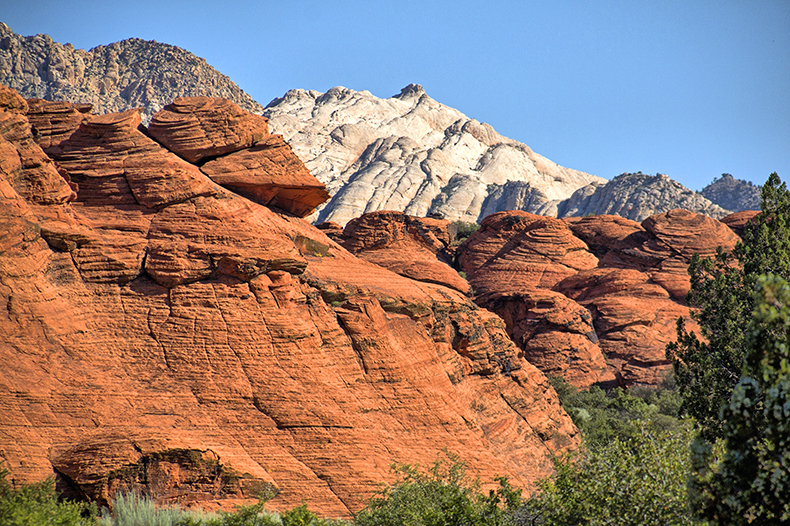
415 247
133 73
412 154
629 279
733 194
164 328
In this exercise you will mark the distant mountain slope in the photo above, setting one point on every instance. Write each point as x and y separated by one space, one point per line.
637 196
413 154
127 74
733 194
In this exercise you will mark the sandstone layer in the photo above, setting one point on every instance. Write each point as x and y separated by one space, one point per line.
575 292
166 334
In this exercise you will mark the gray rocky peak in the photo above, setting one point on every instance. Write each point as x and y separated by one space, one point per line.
128 74
733 194
413 154
637 196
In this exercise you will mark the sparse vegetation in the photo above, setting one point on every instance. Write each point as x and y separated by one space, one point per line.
463 230
38 504
444 495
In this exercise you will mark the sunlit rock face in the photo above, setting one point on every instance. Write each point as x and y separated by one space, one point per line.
132 73
165 333
637 196
412 154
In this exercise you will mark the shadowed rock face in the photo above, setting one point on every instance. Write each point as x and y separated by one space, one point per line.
163 333
573 292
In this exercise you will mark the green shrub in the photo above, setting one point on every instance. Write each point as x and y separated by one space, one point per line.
131 509
637 480
463 230
443 495
37 504
620 413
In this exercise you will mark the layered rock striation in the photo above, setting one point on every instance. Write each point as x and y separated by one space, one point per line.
163 333
412 154
592 299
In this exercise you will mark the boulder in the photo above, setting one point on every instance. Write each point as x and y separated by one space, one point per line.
196 128
516 251
413 247
270 174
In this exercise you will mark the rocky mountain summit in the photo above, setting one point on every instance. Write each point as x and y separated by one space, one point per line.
132 73
413 154
637 196
733 194
175 327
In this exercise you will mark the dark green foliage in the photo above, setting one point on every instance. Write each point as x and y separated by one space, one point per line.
639 480
463 230
603 416
751 483
443 495
37 504
722 290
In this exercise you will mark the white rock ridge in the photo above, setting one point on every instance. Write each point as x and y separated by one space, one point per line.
413 154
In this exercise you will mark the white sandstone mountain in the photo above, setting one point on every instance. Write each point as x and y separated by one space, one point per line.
413 154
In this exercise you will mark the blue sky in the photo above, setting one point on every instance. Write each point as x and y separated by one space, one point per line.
690 88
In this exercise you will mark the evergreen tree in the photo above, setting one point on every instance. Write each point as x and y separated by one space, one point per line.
722 291
751 483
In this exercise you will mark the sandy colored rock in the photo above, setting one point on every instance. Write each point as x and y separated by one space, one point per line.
738 221
54 122
242 339
601 232
634 320
515 251
665 249
199 127
555 333
25 166
270 174
413 247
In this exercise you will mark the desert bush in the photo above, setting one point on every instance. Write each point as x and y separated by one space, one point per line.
619 413
636 480
37 504
442 495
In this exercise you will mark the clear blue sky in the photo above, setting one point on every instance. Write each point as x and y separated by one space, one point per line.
690 88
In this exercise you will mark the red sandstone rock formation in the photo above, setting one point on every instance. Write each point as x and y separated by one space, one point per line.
196 128
165 329
410 246
511 262
634 293
737 221
517 251
270 174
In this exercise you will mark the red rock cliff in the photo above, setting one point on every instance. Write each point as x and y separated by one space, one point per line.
162 332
